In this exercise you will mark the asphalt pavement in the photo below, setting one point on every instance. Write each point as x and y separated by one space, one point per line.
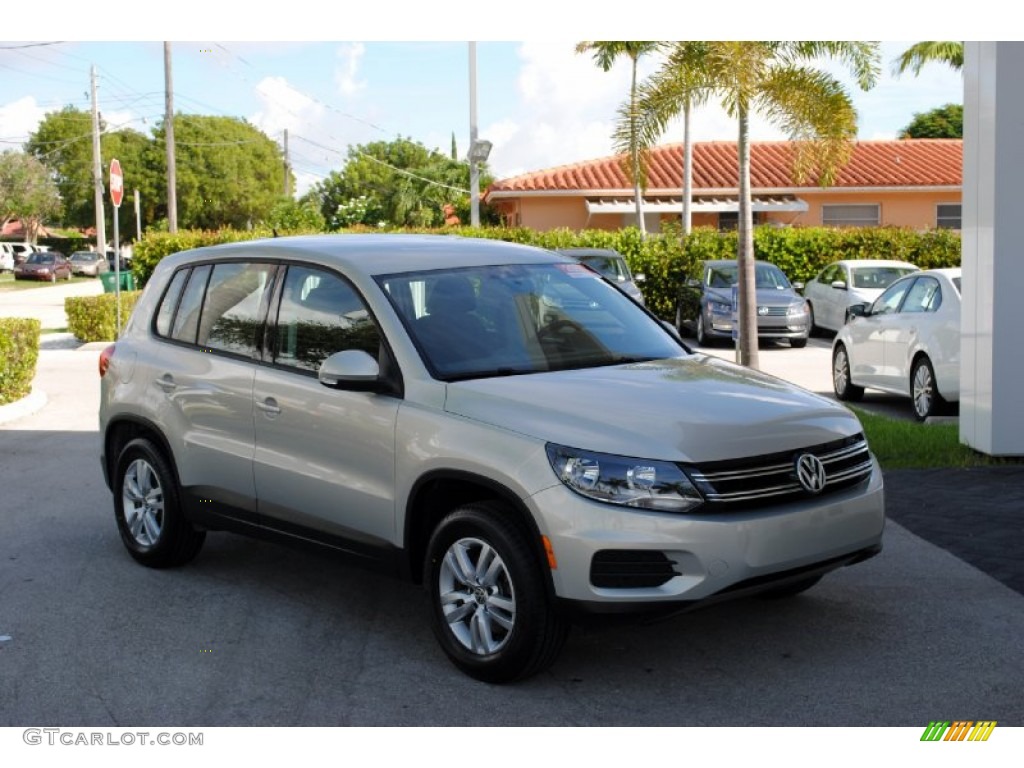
259 634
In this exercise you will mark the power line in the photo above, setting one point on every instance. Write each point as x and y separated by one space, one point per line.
32 45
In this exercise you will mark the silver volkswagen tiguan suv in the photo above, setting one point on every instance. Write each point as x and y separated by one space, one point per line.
492 420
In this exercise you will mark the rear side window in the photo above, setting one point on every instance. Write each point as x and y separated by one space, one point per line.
231 316
186 319
165 314
320 314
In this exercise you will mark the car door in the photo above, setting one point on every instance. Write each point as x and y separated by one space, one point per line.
869 334
205 376
325 458
819 292
915 316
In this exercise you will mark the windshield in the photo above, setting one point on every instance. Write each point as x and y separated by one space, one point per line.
878 277
83 256
766 276
514 319
40 258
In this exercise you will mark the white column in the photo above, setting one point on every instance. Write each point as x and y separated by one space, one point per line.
992 323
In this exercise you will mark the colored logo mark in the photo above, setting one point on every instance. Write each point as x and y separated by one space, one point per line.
958 730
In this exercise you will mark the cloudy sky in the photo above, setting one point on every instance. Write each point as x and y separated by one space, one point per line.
539 102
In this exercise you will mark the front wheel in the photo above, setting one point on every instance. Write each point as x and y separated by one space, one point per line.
798 343
842 383
148 509
489 606
703 339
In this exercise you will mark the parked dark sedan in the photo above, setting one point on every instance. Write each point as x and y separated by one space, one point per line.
705 305
47 265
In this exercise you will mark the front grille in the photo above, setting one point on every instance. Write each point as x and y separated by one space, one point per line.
771 478
630 569
773 311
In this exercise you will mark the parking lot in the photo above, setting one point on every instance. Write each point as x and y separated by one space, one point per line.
258 634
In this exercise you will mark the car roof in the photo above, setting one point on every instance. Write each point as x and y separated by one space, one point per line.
378 254
578 253
874 263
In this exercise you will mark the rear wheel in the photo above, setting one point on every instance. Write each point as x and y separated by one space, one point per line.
148 509
926 398
489 606
842 383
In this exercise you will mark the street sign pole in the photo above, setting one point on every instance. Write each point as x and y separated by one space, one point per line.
116 195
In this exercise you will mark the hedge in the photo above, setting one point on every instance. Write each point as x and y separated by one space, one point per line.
94 318
19 350
666 258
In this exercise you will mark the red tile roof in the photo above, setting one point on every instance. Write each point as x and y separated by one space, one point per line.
902 163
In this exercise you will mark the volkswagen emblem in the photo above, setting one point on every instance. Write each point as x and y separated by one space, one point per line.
811 473
762 310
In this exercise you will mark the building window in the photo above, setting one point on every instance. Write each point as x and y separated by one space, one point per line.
851 215
947 216
729 221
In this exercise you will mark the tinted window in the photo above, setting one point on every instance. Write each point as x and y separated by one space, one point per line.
165 314
878 277
186 320
320 314
231 317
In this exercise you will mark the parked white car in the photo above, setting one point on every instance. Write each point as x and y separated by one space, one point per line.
6 258
843 284
906 342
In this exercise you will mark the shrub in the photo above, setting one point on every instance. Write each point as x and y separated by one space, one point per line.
19 350
94 318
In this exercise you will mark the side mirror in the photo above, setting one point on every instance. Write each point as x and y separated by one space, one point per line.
798 286
350 369
639 277
839 285
692 282
858 310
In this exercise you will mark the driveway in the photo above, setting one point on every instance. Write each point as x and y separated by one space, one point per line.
46 303
258 634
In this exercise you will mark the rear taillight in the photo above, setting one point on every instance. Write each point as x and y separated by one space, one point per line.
105 356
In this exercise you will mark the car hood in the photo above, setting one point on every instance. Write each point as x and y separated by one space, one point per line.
765 296
697 408
25 267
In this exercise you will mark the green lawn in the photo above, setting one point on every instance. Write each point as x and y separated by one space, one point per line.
8 283
900 444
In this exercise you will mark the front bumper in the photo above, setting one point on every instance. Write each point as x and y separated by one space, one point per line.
791 327
712 555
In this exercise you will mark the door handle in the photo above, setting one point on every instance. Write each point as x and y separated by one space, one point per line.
269 406
166 383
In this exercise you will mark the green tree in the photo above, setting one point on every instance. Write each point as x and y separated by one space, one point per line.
395 183
289 215
229 173
63 143
678 87
949 52
626 138
940 123
26 192
780 80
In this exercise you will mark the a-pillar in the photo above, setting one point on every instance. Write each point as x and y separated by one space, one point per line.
992 321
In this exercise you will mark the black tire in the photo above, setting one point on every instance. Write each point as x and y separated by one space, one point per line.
792 589
703 339
814 330
924 392
798 343
154 528
844 387
501 626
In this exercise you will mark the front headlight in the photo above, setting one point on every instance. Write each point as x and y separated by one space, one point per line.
720 308
629 482
798 309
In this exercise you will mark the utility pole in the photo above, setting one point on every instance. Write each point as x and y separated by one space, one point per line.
474 174
172 175
97 172
287 168
138 217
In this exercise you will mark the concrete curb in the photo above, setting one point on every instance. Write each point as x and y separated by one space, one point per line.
19 409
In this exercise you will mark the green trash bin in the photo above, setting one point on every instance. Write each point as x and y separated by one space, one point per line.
109 280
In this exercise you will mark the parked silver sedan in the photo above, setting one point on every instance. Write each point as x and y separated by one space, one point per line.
906 342
842 284
88 263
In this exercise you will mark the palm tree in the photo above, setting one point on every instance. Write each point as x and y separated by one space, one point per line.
678 87
949 52
779 80
627 134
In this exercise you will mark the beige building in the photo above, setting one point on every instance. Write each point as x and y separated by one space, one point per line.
912 183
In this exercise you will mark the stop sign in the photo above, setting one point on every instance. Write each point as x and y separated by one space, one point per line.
116 183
